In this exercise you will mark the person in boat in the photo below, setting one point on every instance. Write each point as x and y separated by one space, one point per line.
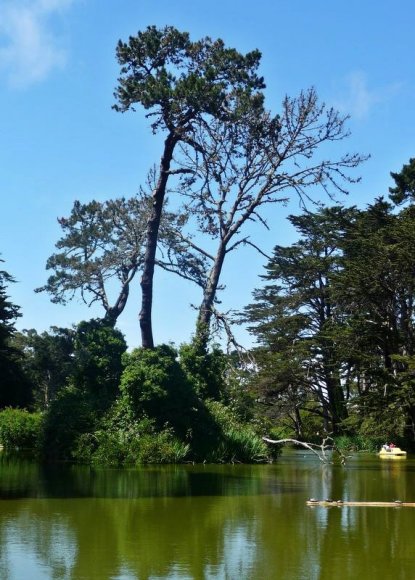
386 447
392 445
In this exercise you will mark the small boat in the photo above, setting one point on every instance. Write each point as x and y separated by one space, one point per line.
391 453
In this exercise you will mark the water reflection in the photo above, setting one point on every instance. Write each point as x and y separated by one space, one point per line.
23 478
204 521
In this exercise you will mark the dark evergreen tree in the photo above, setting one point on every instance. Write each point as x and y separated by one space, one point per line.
295 318
376 292
404 189
335 322
48 361
14 386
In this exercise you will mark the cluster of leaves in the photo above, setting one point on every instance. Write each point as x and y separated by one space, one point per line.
206 369
360 442
154 384
90 388
47 361
103 405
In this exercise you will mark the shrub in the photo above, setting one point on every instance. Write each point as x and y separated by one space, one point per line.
69 416
120 440
19 428
162 447
91 390
206 370
98 361
154 384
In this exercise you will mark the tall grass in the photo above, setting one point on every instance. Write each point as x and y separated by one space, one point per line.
238 442
349 443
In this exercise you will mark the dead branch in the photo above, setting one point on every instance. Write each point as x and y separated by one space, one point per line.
324 447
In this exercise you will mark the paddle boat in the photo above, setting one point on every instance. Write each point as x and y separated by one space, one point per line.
391 452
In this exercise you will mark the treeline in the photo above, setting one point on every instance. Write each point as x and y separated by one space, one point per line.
335 321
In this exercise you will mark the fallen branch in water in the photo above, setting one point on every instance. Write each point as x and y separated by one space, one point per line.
324 447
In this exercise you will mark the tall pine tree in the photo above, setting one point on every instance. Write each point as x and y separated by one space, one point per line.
14 387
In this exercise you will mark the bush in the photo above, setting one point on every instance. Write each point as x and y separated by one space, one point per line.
90 392
162 447
122 440
69 416
206 370
153 384
98 361
19 428
124 437
157 418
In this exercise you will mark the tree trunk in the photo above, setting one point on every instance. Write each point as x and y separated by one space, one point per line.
153 225
409 429
206 308
113 313
338 410
298 424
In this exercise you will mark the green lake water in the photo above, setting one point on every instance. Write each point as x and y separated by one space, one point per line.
204 522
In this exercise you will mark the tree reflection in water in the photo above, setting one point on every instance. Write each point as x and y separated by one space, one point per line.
203 521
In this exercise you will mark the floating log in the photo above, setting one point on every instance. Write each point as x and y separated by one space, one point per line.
341 503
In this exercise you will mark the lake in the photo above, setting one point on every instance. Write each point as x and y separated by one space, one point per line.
206 521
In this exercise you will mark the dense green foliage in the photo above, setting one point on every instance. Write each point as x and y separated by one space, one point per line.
121 439
91 387
296 317
69 416
237 442
158 414
47 361
404 189
205 368
19 428
160 417
154 385
97 365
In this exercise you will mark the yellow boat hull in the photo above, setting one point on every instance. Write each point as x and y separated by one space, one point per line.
394 453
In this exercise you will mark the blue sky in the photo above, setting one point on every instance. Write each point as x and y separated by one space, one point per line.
60 140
